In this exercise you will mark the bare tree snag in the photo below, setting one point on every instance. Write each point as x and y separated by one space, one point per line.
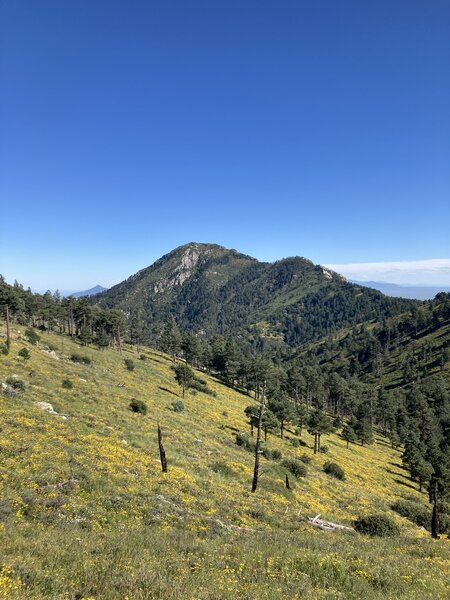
288 485
8 330
162 452
262 402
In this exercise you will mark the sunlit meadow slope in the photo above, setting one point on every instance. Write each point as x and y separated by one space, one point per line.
85 511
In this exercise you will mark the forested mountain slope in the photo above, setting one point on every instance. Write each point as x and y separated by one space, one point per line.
212 290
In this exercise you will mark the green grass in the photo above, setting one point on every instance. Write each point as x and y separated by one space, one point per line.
124 529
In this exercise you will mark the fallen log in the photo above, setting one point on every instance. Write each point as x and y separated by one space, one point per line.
327 525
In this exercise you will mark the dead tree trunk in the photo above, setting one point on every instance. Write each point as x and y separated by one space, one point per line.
8 330
288 485
262 401
162 452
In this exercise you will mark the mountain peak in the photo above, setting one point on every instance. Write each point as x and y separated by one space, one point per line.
213 289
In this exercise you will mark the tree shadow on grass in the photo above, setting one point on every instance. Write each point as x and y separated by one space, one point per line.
169 391
232 428
156 360
409 485
382 442
398 465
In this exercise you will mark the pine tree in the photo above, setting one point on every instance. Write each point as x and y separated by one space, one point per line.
348 433
170 341
184 376
282 407
319 423
363 427
136 331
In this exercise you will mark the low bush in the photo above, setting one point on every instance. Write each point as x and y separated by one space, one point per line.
32 336
138 406
324 449
413 511
4 349
333 469
129 364
79 358
67 384
243 440
142 357
200 385
24 353
16 384
377 525
178 406
296 467
305 458
271 454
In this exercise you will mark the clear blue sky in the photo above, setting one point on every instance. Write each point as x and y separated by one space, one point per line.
127 128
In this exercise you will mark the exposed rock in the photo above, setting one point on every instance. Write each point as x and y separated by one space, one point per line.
46 406
182 272
49 408
50 353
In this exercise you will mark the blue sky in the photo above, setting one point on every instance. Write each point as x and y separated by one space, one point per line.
278 128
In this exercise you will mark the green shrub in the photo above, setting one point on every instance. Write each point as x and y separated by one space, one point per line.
377 525
295 466
32 336
324 449
201 386
244 441
24 353
277 454
295 442
415 512
17 384
142 357
271 454
129 364
241 438
4 349
79 358
178 406
67 384
334 470
305 458
138 406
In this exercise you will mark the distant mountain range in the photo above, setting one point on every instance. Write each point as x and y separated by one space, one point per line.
417 292
211 290
91 292
66 293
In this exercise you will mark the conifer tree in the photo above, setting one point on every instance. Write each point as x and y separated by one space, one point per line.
348 433
184 376
319 423
170 341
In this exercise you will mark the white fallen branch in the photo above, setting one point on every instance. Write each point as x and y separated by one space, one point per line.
327 525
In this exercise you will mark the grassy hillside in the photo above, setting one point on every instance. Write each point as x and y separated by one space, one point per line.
85 511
